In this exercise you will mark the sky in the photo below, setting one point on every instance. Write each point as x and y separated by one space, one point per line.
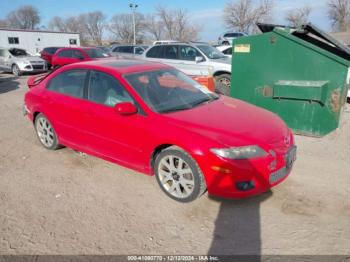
207 13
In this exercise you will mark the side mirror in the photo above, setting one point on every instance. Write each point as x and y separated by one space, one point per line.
125 108
199 59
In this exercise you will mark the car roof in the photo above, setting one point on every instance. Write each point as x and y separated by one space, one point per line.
121 66
78 48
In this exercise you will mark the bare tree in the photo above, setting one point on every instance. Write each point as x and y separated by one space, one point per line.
154 27
25 17
177 24
121 27
298 16
242 15
3 24
339 14
58 24
93 24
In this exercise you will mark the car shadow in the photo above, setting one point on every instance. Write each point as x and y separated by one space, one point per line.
8 83
237 228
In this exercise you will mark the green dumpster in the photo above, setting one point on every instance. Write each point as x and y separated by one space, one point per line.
301 75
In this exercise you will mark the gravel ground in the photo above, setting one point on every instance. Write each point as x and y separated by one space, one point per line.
63 202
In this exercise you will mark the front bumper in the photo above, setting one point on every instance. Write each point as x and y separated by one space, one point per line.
33 68
244 178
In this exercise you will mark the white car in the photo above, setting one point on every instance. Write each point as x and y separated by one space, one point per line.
225 49
162 42
18 61
194 59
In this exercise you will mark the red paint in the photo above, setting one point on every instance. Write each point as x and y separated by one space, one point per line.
57 61
130 139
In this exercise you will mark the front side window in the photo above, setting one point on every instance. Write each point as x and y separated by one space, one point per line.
228 51
105 89
13 40
189 53
138 50
65 53
169 90
70 83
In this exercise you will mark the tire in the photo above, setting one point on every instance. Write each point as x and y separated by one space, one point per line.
183 184
223 84
46 133
15 70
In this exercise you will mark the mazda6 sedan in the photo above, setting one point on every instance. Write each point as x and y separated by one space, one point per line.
156 120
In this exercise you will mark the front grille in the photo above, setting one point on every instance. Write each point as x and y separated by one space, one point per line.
278 175
38 66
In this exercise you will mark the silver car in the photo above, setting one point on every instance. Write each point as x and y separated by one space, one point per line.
18 61
128 51
226 38
194 59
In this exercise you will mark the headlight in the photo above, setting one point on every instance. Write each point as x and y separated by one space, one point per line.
25 63
243 152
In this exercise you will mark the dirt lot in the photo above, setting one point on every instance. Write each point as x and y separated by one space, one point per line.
65 203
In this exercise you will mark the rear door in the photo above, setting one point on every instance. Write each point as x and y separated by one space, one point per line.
64 105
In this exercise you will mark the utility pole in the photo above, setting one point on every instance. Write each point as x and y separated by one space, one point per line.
133 8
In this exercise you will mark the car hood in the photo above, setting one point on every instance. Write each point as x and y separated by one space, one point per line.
232 122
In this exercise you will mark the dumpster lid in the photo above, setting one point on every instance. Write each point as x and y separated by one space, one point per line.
314 35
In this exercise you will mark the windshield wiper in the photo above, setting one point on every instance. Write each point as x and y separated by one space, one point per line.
179 108
210 98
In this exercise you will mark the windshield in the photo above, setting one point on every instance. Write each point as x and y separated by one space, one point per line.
211 52
169 90
18 52
96 53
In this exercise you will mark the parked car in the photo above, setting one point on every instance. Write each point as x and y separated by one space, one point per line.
128 51
226 38
18 61
225 49
69 55
192 59
47 54
192 140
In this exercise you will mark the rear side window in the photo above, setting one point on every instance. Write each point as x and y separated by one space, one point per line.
126 49
65 53
70 83
77 54
154 52
105 89
170 52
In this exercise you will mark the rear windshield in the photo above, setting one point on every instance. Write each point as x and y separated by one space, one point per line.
233 35
96 53
51 50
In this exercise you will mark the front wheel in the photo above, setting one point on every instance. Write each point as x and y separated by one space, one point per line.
45 132
16 71
223 84
179 175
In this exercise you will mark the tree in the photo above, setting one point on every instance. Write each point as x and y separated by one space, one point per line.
242 15
154 27
25 17
3 24
93 24
177 24
121 27
339 14
57 24
298 16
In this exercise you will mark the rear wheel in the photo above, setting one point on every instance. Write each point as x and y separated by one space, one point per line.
45 132
179 175
223 84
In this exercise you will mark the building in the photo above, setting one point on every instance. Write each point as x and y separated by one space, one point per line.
35 40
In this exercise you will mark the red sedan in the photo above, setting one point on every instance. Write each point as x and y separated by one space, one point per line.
70 55
154 119
47 54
